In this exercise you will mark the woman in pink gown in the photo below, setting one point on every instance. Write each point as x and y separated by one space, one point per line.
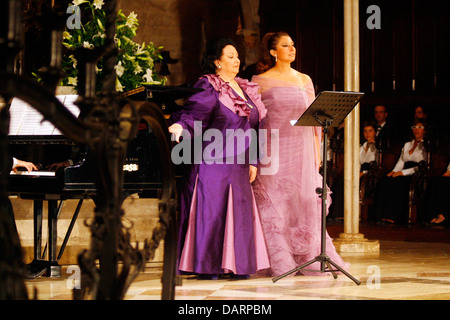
289 207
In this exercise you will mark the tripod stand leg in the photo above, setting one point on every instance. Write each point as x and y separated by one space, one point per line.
331 269
345 272
294 270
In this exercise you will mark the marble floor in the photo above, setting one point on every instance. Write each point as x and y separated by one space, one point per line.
401 271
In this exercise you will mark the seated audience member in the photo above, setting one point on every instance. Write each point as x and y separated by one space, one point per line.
385 132
391 195
380 114
367 154
420 113
388 139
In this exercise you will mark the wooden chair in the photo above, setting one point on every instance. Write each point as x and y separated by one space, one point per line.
385 162
367 185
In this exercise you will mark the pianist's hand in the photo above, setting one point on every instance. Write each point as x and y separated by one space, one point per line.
56 166
176 130
25 164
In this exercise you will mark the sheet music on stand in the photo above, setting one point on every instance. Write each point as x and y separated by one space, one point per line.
334 105
27 121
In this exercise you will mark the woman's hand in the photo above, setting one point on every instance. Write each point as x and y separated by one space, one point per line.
398 174
395 174
252 173
176 130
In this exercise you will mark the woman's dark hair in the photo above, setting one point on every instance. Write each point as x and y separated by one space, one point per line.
214 50
269 42
420 121
370 124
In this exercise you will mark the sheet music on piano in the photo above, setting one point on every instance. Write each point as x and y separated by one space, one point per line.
25 120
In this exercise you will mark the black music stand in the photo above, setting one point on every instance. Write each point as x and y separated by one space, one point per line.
328 109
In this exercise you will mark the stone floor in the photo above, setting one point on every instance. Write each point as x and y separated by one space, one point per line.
400 271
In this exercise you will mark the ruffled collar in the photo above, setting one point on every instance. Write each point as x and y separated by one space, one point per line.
235 102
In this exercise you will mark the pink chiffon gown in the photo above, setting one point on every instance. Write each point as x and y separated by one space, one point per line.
289 207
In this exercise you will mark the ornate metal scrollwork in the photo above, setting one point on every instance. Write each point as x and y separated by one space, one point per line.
106 125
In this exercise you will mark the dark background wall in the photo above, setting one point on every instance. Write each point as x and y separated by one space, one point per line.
413 45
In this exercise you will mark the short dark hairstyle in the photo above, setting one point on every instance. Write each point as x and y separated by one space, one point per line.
420 121
214 50
370 124
381 105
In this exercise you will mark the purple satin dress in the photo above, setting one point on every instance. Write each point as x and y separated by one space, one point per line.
220 229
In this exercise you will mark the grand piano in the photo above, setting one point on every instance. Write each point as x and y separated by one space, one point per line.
40 143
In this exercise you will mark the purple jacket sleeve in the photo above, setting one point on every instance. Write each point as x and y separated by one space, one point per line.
199 107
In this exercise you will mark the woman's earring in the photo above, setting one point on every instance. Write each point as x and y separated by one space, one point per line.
219 66
276 59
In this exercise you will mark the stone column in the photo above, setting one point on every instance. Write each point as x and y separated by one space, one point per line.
351 240
250 26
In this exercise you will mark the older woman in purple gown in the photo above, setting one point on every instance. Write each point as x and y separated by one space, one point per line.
220 229
290 209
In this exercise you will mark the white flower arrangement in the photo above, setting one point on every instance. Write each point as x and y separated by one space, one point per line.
135 61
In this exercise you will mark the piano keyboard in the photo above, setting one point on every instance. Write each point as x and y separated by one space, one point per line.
34 173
